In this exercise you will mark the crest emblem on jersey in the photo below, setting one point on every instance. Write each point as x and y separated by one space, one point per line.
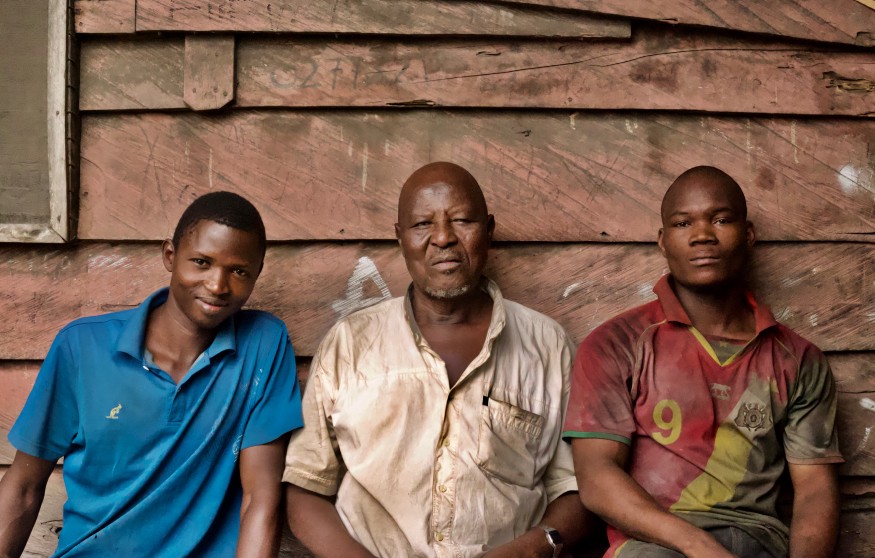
720 391
753 416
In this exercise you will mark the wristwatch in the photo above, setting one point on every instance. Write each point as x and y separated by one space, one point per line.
554 538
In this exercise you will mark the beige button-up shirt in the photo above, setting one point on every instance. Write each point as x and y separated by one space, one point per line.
422 469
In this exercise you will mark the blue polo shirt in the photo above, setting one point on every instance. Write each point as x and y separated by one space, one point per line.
151 466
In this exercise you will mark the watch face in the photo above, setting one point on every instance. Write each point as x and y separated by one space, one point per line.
554 536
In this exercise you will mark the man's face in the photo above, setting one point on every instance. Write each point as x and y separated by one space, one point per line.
705 237
213 272
444 235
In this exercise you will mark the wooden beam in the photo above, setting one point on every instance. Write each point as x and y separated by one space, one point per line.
393 17
856 416
823 291
209 71
105 16
659 70
595 177
838 21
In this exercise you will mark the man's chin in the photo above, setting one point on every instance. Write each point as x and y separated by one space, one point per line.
448 293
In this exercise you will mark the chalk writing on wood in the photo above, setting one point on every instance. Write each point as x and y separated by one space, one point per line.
365 271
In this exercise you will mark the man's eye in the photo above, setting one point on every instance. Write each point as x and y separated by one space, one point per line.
199 262
421 224
681 224
722 220
241 272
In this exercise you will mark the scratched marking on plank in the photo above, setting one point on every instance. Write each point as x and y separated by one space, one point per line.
365 270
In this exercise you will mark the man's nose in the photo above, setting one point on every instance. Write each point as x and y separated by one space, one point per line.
702 232
217 282
444 234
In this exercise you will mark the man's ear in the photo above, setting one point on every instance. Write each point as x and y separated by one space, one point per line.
751 234
168 253
659 242
397 232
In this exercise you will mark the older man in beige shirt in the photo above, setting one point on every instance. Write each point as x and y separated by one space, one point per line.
432 421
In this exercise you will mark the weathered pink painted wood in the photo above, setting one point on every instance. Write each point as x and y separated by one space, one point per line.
839 21
16 380
394 17
105 16
44 537
595 177
209 71
132 73
309 286
659 70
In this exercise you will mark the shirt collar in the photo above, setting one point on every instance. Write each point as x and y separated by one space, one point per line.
496 324
674 312
133 334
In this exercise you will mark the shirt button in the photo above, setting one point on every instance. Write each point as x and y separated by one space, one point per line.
447 443
442 488
438 537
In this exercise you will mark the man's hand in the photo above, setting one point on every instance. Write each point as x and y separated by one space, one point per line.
314 521
261 472
815 525
22 489
609 491
566 514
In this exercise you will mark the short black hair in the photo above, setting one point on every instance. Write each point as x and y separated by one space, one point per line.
225 208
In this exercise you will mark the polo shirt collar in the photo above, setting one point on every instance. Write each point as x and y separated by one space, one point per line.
133 334
496 324
674 312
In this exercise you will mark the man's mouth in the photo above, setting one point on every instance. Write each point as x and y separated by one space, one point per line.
704 260
212 305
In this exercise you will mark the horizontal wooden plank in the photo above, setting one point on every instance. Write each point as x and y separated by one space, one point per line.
856 415
16 380
309 286
44 537
854 372
658 70
574 176
105 16
132 74
392 17
839 21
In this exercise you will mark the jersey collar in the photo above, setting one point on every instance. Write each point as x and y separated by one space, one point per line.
674 312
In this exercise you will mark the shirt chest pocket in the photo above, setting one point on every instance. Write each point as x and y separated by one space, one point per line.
509 442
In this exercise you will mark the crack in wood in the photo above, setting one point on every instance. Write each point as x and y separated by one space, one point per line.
853 85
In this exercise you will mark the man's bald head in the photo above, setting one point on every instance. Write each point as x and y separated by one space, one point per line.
440 172
704 177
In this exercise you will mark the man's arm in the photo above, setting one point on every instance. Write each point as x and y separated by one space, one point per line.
566 514
315 522
261 471
815 525
21 494
609 491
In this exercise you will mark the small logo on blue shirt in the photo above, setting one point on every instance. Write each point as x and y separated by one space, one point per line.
113 413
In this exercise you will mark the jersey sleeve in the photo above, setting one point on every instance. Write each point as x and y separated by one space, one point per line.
49 422
810 433
313 458
278 409
600 405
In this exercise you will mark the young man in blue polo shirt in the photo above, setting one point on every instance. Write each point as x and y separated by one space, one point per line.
172 418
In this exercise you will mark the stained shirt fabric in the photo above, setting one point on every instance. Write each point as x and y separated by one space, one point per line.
150 467
423 469
710 436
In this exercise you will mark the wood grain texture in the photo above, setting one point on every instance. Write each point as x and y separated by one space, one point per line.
309 286
660 70
135 73
393 17
105 16
16 380
575 177
839 21
209 71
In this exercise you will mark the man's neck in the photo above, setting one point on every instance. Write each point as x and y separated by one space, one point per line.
172 342
470 308
721 312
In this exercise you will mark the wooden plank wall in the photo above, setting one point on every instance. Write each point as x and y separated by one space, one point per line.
575 115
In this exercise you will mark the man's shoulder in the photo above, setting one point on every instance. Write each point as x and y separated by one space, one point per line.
370 318
259 322
98 324
521 314
627 327
794 344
